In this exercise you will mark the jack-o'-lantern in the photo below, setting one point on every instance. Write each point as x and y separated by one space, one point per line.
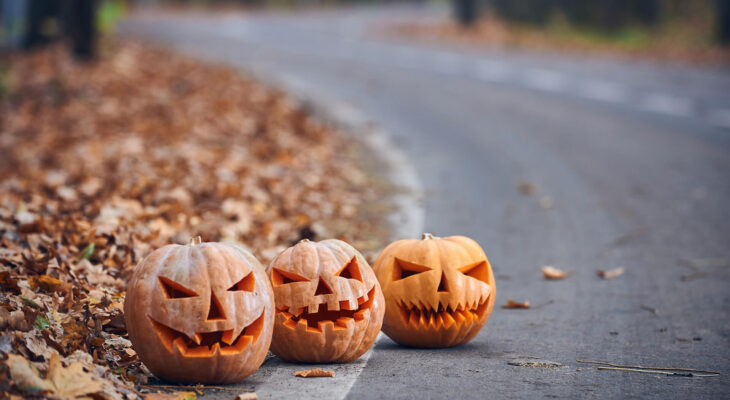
201 313
329 306
439 292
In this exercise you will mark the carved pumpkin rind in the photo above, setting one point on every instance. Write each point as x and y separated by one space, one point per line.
329 304
439 292
201 313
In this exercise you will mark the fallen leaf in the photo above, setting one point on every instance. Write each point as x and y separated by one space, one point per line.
550 272
534 363
88 251
25 377
72 381
514 304
315 373
171 396
41 323
9 283
35 344
526 189
247 396
48 283
611 273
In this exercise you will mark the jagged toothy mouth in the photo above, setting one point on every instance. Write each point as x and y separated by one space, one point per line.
441 317
206 344
340 318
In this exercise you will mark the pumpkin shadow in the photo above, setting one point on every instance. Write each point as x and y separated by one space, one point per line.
386 344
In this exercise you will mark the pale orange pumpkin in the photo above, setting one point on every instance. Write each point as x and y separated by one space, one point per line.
329 306
201 313
439 292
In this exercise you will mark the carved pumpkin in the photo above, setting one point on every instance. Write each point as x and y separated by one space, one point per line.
201 313
439 292
329 306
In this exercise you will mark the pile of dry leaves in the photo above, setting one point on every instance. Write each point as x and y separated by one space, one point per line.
102 163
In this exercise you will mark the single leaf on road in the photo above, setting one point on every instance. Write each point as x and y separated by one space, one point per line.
515 304
315 373
550 272
611 273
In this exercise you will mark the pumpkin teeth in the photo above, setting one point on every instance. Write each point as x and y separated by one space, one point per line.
322 325
207 344
347 305
444 316
346 312
448 320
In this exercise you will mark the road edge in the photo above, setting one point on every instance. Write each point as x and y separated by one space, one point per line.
407 221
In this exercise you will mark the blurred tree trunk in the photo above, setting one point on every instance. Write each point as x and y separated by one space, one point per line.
465 11
723 21
39 13
81 28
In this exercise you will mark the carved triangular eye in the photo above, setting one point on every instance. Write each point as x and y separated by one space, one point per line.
350 271
280 277
246 284
403 269
174 290
477 270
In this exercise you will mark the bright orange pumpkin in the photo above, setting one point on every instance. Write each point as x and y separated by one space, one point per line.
439 292
201 313
329 306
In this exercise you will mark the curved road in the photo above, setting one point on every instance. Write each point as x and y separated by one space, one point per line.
630 164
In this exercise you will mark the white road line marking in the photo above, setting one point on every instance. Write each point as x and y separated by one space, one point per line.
407 220
604 91
719 117
545 79
668 104
491 71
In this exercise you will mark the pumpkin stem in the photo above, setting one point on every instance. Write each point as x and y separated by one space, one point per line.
428 236
196 240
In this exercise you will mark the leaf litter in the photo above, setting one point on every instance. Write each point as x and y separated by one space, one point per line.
102 163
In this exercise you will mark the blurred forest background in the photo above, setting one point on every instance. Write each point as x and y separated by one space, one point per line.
635 25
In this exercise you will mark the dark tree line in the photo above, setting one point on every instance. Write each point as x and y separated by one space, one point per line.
74 20
606 15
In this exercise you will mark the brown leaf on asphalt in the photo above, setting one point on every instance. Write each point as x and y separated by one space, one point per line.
247 396
515 304
171 396
611 273
315 373
550 272
527 189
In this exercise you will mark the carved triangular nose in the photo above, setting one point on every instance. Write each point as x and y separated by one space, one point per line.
443 285
322 288
215 312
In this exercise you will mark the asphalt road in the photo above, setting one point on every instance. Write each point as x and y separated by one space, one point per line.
632 158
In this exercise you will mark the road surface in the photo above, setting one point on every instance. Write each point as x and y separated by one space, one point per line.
630 165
